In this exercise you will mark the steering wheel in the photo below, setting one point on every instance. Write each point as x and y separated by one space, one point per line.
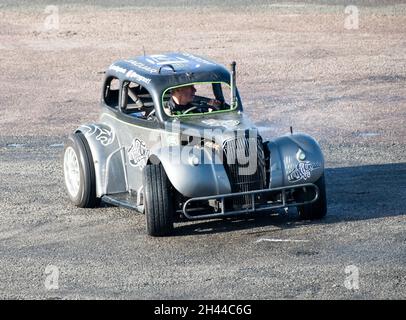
205 106
191 109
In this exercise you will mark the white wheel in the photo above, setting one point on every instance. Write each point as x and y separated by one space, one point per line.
71 171
78 167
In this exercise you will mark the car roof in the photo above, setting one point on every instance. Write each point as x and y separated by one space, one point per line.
160 71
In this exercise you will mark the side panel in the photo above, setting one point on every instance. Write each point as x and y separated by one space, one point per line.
206 178
295 159
136 141
107 156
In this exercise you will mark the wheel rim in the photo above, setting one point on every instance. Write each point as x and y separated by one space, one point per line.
71 170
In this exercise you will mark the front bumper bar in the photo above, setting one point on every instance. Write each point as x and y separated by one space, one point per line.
282 203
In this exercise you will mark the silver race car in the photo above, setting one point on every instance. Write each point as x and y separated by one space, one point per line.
200 160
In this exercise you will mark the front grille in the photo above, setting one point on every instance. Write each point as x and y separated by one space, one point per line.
244 161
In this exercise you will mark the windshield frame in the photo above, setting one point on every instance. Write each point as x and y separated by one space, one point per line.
231 109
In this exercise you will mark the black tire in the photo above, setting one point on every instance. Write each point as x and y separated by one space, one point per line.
158 202
317 209
85 197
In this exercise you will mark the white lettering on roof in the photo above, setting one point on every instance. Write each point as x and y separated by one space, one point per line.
198 59
117 69
161 59
142 66
134 75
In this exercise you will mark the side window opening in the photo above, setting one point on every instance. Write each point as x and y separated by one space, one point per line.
111 92
138 101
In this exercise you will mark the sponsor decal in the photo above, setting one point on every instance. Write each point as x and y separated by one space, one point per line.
142 66
197 59
118 69
161 59
104 135
138 154
134 75
222 123
302 171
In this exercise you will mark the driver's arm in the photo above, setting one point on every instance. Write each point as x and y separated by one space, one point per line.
216 104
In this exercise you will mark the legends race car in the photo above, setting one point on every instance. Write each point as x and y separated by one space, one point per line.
206 161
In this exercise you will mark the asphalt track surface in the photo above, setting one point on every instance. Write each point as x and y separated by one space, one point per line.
347 89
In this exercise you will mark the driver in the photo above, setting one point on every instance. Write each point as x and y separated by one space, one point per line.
182 97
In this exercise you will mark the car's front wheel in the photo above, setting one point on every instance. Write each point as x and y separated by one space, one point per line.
317 209
158 202
79 172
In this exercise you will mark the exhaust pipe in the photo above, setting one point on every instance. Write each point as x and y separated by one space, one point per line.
233 86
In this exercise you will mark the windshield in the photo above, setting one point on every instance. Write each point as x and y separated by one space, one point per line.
197 98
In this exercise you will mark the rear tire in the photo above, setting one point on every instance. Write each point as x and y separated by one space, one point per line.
317 209
158 202
79 173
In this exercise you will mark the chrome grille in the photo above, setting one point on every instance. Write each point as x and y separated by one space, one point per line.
244 161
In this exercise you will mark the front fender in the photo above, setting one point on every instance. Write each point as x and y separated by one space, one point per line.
286 166
206 178
107 157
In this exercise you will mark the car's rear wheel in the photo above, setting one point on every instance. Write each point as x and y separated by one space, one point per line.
158 202
79 174
317 209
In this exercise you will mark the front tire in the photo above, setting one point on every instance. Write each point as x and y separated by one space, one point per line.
317 209
158 203
79 173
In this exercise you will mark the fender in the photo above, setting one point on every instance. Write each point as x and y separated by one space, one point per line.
295 159
194 172
107 157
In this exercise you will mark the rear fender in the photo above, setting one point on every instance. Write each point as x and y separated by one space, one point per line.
107 157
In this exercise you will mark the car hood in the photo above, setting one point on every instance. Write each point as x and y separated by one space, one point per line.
220 126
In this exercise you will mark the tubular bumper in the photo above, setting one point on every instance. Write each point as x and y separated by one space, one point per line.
282 203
